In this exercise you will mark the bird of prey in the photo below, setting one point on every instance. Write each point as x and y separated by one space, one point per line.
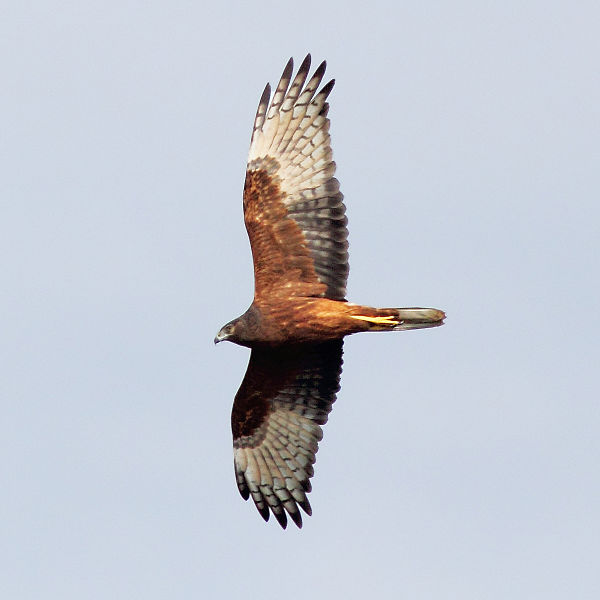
295 219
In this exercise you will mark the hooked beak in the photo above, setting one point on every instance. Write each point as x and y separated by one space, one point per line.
220 337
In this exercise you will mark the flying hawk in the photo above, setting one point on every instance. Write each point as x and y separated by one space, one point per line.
296 222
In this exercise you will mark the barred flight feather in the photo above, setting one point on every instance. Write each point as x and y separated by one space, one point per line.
273 455
291 144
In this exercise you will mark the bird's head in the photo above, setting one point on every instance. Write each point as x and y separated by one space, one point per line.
228 332
242 330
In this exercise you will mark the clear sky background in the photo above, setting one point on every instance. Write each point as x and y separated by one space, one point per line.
459 462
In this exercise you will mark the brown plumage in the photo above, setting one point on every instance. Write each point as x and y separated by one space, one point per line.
296 222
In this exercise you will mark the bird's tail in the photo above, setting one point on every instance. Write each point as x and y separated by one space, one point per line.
399 319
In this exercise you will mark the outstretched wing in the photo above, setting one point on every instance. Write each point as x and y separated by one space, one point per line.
286 395
293 207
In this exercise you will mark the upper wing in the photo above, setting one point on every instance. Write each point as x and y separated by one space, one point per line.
293 207
287 393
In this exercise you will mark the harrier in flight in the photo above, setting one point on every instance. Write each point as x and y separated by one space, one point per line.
296 222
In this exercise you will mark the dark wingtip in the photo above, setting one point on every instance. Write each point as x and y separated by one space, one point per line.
297 518
264 99
281 518
326 89
306 507
289 67
241 483
305 66
264 512
320 71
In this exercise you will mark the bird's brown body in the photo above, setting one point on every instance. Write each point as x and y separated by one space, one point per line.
296 222
300 320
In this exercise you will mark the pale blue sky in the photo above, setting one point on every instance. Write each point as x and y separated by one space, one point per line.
459 462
